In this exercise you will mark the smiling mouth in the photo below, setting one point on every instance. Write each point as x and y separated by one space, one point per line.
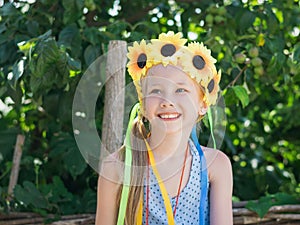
169 116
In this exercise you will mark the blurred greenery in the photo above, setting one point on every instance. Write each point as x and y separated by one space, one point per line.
46 46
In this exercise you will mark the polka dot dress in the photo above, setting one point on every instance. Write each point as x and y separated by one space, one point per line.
187 211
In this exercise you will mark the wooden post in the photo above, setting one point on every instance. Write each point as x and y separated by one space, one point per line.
112 123
16 165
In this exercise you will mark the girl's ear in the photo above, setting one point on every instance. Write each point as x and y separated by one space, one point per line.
202 109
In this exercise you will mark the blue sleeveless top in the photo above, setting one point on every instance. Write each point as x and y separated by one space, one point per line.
187 211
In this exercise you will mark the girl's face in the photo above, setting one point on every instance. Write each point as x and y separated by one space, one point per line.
172 100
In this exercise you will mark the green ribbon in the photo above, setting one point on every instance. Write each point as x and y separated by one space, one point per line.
211 125
127 170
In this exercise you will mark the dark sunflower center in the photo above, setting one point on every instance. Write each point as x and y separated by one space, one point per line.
142 60
211 86
168 50
198 62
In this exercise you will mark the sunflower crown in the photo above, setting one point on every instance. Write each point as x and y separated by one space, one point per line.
170 49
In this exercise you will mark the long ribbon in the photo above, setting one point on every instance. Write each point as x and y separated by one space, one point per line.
127 170
162 187
139 216
211 125
204 178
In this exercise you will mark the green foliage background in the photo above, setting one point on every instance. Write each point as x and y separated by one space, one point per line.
46 46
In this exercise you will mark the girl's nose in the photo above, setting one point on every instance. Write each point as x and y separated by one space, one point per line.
166 103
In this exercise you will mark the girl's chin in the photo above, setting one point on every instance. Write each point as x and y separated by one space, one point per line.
167 129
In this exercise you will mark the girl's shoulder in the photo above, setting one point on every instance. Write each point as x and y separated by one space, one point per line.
217 162
112 167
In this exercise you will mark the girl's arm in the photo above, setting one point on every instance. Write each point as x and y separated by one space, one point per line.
108 186
220 176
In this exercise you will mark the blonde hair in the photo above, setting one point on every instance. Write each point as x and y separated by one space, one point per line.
139 163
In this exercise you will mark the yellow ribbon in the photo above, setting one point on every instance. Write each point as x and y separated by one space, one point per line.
139 217
162 187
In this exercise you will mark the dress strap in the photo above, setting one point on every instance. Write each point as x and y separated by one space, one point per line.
204 178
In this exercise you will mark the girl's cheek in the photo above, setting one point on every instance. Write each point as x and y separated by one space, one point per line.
149 105
191 103
151 100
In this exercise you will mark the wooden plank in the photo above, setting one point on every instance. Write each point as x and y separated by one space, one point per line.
16 165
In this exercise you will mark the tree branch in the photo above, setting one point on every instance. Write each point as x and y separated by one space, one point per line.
237 77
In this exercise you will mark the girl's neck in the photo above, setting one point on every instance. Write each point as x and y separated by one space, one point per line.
169 146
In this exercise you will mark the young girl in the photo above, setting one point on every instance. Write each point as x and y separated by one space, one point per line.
162 175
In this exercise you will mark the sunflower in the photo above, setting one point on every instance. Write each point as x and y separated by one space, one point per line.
138 60
165 48
212 89
198 62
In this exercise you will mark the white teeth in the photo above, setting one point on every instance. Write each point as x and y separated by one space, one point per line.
168 116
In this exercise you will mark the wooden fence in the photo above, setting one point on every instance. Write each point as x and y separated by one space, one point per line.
283 215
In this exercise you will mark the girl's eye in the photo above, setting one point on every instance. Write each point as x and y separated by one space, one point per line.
180 90
155 91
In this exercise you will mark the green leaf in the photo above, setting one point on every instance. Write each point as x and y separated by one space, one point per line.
35 84
146 25
272 21
27 46
262 206
2 27
73 10
30 195
45 36
8 52
242 94
276 63
296 54
284 198
135 35
2 90
3 38
276 44
117 28
70 38
74 161
73 64
105 36
32 27
65 146
89 200
49 68
91 34
90 54
18 70
48 52
60 187
16 93
8 9
50 103
7 141
246 19
56 191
